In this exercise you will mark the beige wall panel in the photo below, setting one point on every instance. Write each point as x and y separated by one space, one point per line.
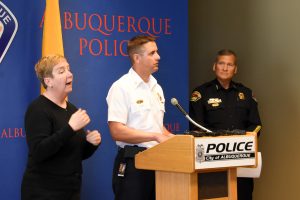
266 37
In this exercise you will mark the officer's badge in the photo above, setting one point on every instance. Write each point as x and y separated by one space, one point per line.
214 102
241 96
200 153
195 96
140 101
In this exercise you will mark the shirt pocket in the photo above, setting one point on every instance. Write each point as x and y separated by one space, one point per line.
140 115
215 114
214 107
242 110
140 105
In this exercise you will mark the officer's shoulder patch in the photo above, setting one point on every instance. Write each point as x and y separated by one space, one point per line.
195 96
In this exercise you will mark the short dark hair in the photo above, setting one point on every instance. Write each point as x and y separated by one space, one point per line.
135 43
226 52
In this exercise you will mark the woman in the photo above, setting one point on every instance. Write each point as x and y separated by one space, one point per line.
56 140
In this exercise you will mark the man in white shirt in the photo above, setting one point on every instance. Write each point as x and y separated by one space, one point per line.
136 107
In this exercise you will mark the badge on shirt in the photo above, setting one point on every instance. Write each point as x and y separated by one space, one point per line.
139 101
241 96
214 102
195 96
160 98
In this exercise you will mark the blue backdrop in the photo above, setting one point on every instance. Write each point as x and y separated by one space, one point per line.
94 35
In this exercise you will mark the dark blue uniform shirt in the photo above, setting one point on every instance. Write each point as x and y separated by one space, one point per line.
217 108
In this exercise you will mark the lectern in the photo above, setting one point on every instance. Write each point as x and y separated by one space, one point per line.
178 161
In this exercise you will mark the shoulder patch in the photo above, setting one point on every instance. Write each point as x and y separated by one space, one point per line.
195 96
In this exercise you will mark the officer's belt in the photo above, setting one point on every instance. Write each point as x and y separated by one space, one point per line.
130 151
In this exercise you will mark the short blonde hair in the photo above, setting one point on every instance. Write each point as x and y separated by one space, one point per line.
44 67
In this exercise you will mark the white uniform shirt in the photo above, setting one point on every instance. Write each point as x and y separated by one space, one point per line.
137 104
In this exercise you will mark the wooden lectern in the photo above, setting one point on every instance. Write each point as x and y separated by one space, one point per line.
175 165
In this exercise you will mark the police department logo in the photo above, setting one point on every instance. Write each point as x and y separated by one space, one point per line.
195 96
200 153
1 28
8 29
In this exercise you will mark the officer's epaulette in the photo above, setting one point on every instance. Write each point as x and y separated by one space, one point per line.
240 86
208 84
203 86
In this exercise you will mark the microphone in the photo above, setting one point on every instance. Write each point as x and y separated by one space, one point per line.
174 102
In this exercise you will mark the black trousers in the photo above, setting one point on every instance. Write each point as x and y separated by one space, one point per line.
136 184
245 188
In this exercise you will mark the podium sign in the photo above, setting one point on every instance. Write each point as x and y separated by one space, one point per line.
219 152
178 161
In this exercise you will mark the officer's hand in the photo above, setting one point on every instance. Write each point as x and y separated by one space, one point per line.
162 137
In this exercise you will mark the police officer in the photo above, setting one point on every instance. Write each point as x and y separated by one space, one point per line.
223 104
136 108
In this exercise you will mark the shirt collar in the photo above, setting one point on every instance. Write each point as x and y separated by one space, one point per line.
137 80
219 86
